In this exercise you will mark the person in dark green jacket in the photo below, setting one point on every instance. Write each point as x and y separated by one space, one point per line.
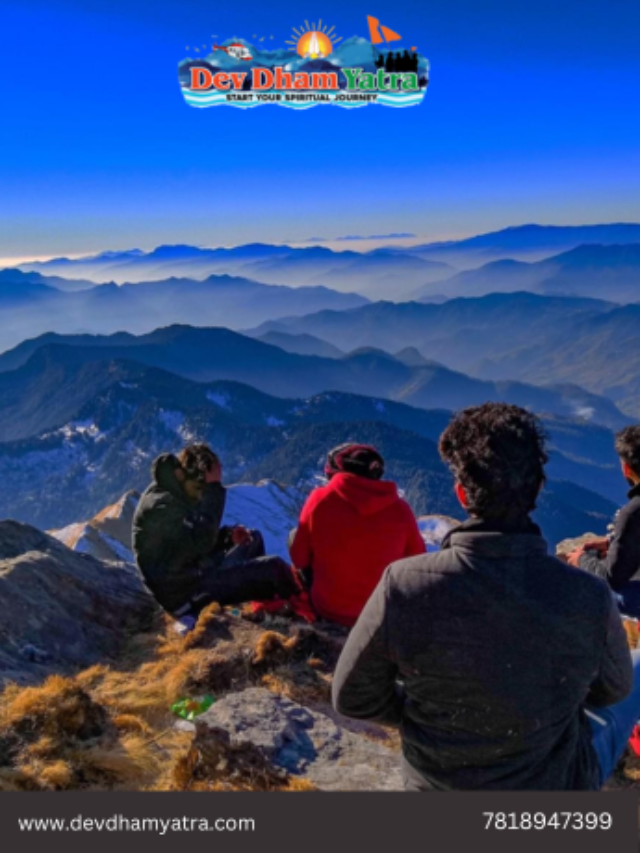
187 558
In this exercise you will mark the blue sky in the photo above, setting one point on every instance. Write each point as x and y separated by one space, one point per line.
531 116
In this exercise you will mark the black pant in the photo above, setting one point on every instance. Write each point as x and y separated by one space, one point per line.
242 574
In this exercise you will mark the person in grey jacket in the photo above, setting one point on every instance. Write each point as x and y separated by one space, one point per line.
503 667
186 557
617 559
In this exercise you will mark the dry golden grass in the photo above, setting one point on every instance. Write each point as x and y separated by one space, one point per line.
57 775
112 727
273 647
131 723
58 736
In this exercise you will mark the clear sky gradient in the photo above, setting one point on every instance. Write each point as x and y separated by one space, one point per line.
532 115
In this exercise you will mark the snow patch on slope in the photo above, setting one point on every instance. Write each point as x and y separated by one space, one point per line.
434 528
269 507
221 400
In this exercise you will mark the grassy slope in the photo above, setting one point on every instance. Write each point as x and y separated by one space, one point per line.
112 729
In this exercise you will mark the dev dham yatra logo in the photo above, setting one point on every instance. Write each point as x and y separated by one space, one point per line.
317 67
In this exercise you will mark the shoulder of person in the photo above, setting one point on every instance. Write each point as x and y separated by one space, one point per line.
160 499
151 495
630 511
416 572
319 494
585 585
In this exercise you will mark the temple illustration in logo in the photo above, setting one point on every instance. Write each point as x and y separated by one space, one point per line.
316 66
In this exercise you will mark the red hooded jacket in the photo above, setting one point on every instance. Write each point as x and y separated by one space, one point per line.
350 531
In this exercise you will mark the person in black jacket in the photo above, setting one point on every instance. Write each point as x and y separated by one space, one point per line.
186 557
617 560
499 663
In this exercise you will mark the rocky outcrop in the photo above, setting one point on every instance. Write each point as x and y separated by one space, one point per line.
296 741
108 535
62 610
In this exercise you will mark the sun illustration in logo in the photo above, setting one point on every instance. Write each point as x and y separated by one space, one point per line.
313 41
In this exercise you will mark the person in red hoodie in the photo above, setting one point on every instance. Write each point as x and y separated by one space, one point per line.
350 530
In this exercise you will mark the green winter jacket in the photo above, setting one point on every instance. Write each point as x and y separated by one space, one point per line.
172 536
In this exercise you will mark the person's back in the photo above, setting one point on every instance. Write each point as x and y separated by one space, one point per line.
491 655
350 530
498 645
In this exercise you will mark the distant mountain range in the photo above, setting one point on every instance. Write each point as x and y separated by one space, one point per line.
33 304
393 270
611 272
602 353
42 381
527 242
379 274
246 286
105 448
519 336
301 344
461 332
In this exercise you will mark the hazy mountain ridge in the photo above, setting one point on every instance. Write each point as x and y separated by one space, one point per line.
513 337
301 344
508 242
388 272
374 273
527 242
459 332
36 307
602 353
596 271
46 384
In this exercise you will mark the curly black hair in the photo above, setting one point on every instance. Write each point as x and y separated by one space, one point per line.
497 452
197 459
628 447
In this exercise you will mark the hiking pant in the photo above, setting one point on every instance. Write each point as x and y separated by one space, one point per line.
611 727
242 574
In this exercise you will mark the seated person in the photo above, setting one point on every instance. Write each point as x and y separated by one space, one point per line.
187 559
503 667
349 531
618 560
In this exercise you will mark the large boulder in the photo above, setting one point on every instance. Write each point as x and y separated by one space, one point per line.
299 741
62 610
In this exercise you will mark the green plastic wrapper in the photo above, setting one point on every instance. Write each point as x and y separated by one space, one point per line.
189 709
